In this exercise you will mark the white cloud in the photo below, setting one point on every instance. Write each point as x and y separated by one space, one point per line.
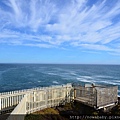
46 23
94 46
114 53
39 45
92 52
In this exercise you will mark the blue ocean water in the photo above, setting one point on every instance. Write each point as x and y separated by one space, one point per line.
23 76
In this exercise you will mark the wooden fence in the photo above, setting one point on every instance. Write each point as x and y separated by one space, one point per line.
32 100
96 96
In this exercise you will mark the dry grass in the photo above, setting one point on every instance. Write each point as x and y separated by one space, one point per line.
64 112
47 111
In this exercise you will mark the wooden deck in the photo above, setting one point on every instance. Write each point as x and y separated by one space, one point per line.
82 99
96 96
32 100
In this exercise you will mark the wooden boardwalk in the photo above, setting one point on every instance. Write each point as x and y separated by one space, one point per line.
32 100
37 98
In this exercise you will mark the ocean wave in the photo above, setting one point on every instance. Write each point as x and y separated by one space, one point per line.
103 76
29 82
83 80
117 81
87 77
72 73
30 75
52 74
55 82
109 82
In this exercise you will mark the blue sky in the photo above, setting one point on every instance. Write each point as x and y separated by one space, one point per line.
60 31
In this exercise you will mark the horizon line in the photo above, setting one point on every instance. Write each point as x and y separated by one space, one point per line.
61 63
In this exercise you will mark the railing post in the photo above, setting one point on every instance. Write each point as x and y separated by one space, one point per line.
74 93
46 98
0 103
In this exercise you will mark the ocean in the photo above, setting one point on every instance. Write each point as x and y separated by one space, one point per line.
24 76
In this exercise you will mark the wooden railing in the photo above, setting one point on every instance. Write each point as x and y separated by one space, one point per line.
32 100
37 99
20 110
